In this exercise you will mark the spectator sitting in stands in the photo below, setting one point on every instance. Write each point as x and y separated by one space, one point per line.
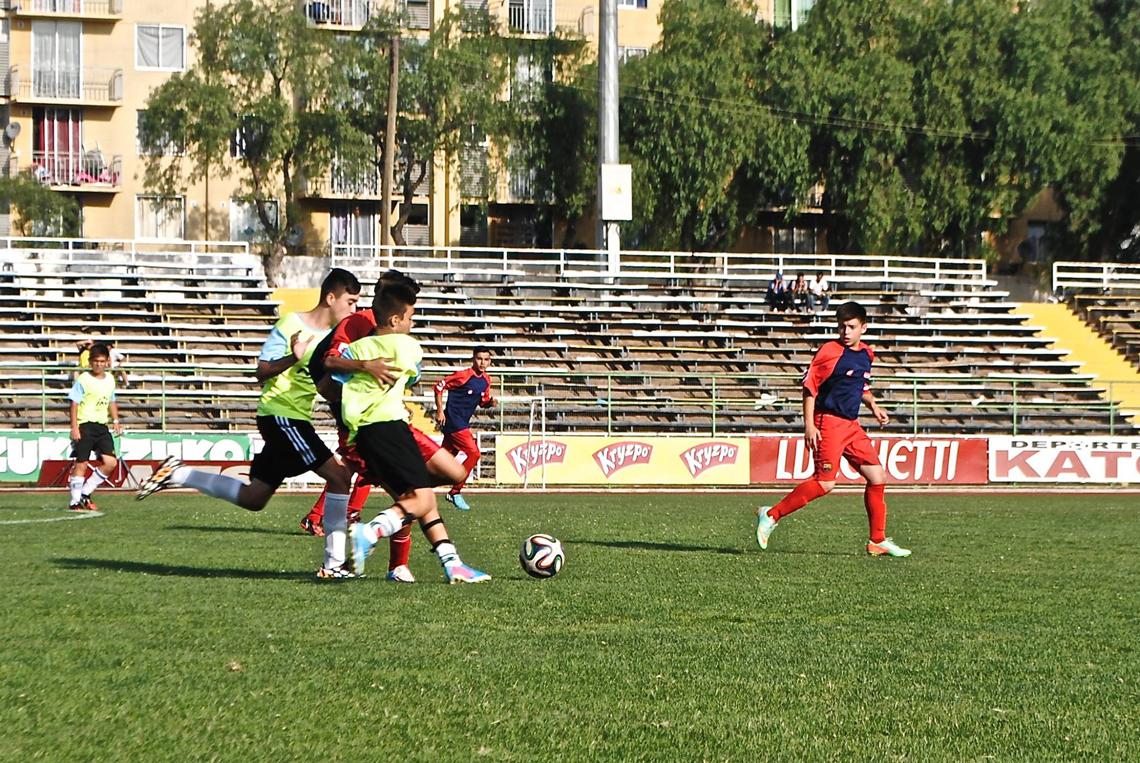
799 293
118 360
819 292
778 296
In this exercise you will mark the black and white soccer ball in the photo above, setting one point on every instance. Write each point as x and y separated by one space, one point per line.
541 556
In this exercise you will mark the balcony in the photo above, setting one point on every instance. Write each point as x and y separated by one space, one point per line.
531 16
92 10
339 14
86 171
339 184
89 86
520 187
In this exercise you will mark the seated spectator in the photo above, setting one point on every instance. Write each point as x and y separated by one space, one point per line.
819 292
799 293
778 296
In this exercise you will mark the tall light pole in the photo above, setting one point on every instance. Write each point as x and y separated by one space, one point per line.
608 232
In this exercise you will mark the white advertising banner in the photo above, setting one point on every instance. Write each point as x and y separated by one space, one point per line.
1104 460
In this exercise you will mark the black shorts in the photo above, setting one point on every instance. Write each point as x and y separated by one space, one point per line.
92 437
292 447
392 456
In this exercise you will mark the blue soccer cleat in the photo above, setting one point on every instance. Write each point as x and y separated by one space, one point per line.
458 502
461 573
764 526
361 548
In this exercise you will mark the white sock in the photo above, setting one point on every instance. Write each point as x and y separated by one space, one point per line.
388 522
75 484
335 523
447 554
215 485
96 479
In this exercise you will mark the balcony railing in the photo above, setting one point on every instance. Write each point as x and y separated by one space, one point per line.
86 168
339 13
531 16
86 8
90 85
521 185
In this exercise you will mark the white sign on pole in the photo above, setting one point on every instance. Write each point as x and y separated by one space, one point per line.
617 192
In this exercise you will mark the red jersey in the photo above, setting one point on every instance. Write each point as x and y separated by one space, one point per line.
838 377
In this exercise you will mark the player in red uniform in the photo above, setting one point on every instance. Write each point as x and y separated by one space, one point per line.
835 385
326 359
467 390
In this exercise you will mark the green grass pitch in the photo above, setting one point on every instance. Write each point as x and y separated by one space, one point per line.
183 629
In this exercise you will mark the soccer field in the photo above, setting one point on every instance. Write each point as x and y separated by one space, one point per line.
180 628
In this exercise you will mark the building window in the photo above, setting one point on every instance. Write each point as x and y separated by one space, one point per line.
160 218
56 58
248 140
791 13
160 47
352 230
627 54
245 225
164 146
633 3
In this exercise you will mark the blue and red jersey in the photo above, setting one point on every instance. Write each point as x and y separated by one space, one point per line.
468 391
838 377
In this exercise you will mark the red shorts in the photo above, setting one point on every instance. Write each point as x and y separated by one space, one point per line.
839 437
428 448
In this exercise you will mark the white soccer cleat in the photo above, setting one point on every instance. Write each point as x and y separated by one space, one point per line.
764 526
887 548
400 574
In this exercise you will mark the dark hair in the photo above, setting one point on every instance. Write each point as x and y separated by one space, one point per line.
480 348
391 300
99 350
849 310
339 281
395 276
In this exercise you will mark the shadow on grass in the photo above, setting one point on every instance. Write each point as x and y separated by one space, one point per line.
643 545
257 530
150 568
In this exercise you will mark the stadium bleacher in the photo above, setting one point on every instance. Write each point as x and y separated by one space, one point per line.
674 343
1107 297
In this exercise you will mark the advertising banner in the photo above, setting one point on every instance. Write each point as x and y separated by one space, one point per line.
598 460
132 474
22 452
1065 459
908 460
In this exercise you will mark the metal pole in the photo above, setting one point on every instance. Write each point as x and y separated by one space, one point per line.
1015 407
608 232
609 404
390 144
714 406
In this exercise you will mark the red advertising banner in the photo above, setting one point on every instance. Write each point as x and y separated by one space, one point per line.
132 474
908 460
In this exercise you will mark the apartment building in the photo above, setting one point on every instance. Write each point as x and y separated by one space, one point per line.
77 73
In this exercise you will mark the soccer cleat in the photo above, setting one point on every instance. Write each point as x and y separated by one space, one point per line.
312 527
764 526
400 574
887 548
78 506
161 478
88 504
361 548
461 573
458 502
339 572
353 516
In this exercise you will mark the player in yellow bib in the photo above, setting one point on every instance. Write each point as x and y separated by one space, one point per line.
377 422
92 407
284 420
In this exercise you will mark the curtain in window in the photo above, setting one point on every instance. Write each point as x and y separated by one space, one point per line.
171 49
148 47
67 35
158 217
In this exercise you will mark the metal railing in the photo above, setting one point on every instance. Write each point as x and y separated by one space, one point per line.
70 7
531 16
731 403
1095 275
93 85
85 168
339 13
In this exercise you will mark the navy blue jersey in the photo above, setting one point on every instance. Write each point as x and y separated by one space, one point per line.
838 377
468 391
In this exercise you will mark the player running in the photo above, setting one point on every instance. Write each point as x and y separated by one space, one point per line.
467 389
93 403
835 385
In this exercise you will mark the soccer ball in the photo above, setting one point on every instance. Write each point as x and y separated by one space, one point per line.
541 556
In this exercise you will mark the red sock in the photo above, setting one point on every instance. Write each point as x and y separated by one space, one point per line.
876 504
805 493
317 513
399 547
359 496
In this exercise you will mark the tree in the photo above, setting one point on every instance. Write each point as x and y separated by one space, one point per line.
249 107
708 153
449 88
40 210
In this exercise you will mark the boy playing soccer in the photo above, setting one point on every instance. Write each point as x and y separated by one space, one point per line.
284 419
442 466
835 385
376 417
469 389
92 404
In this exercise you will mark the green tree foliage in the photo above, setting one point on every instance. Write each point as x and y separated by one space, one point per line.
707 153
40 211
448 90
255 90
